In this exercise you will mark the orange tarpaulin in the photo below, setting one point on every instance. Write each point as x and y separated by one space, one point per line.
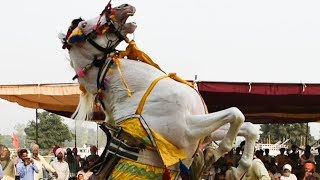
52 97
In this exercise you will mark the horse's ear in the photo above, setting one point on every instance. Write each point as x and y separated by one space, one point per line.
75 22
62 37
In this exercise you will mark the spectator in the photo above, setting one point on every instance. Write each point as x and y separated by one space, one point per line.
307 156
257 171
317 160
26 167
219 176
275 171
77 157
8 171
17 160
237 156
40 162
1 172
93 157
267 159
310 173
287 175
85 170
294 157
61 167
80 177
282 159
54 153
72 162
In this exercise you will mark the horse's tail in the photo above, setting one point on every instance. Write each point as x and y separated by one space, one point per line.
84 110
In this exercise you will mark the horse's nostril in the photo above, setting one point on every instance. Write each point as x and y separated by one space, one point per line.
125 5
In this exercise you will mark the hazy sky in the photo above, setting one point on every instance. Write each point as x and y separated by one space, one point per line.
230 40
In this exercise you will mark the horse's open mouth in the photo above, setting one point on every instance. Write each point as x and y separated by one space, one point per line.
123 13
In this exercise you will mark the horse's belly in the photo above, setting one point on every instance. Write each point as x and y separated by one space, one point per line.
127 169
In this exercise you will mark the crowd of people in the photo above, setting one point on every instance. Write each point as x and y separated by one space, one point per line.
68 165
64 165
287 165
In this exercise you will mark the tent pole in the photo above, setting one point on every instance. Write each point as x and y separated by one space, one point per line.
307 134
37 126
75 133
97 136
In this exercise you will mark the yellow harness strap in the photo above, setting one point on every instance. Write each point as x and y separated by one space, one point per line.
169 153
148 91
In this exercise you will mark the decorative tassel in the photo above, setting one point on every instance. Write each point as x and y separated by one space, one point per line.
106 80
105 83
99 96
82 89
76 36
75 39
184 171
81 73
97 107
112 11
105 29
166 174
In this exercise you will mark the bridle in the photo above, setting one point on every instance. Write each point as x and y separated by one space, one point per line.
105 60
107 28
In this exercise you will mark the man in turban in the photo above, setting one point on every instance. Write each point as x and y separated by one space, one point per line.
61 167
310 173
40 162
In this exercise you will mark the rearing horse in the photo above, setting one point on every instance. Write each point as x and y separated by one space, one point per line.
157 121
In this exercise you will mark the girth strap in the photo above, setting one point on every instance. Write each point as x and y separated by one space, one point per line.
121 149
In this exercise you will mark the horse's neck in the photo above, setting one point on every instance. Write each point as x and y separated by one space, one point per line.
138 76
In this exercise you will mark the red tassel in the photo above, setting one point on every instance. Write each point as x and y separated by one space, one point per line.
166 174
81 73
113 11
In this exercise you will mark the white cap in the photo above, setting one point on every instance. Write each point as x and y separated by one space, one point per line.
287 166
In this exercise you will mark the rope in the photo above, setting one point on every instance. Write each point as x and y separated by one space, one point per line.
117 62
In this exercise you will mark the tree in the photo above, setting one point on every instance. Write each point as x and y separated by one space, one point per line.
6 140
51 130
279 132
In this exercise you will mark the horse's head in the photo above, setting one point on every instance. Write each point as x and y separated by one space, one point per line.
102 34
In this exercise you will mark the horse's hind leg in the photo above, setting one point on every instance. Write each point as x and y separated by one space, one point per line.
201 126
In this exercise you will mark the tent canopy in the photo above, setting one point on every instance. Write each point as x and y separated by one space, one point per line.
265 102
52 97
261 103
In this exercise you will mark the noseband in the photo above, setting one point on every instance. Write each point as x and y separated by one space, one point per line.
109 28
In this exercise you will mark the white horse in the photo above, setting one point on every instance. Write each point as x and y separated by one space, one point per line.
171 113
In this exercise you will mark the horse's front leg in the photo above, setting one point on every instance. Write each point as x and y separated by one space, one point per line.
251 135
200 126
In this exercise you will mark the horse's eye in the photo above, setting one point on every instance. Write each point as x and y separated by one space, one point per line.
118 7
84 24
